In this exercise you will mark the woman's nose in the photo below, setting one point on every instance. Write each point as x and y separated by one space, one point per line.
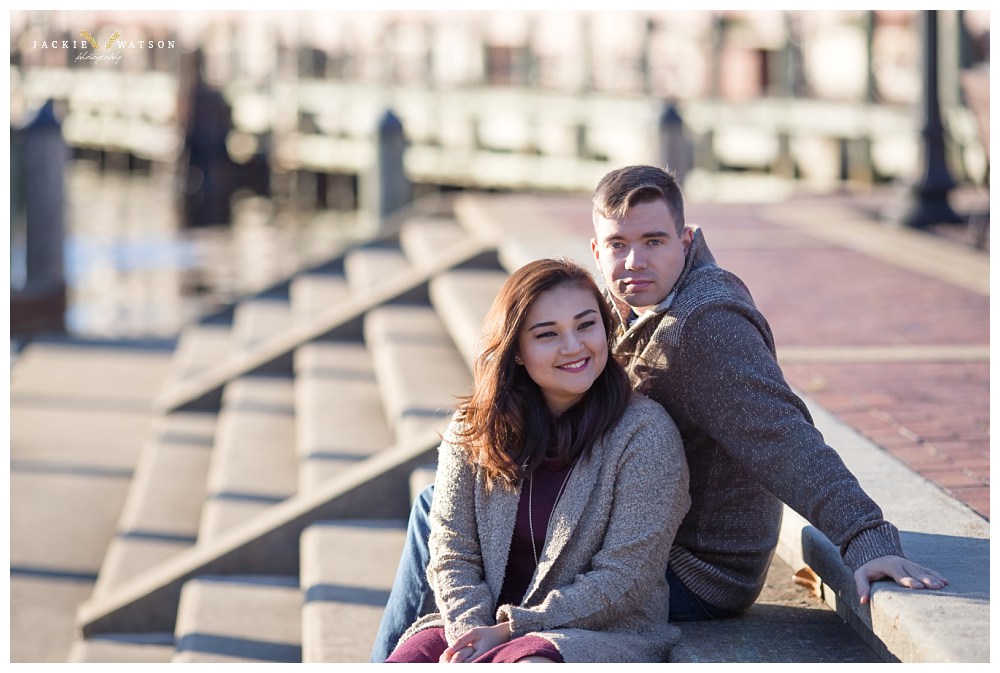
570 344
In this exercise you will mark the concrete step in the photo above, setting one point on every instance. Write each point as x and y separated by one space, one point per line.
81 408
347 571
268 544
253 464
422 239
108 376
311 293
369 268
162 511
62 523
787 624
419 371
256 320
523 230
110 650
198 349
79 415
339 416
239 619
342 321
421 478
462 299
43 604
255 439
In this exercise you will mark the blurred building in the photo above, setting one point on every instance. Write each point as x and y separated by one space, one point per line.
492 80
493 99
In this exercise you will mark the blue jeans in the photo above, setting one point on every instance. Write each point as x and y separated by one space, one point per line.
411 595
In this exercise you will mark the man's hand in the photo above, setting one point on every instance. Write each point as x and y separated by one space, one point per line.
476 642
905 573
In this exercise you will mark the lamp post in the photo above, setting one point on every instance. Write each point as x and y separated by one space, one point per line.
929 197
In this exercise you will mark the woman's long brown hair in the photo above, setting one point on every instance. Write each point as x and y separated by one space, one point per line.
507 426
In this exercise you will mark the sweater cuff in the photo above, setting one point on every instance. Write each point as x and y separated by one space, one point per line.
520 620
883 540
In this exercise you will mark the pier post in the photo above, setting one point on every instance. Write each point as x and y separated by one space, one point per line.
40 304
676 150
387 188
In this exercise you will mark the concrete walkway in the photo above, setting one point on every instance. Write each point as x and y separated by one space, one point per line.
78 417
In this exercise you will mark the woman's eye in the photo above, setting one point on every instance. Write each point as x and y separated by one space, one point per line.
587 325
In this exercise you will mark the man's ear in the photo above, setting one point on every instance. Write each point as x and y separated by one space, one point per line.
593 250
687 238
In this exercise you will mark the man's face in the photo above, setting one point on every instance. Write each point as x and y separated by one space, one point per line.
641 256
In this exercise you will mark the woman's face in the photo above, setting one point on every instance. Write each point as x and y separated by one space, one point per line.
563 345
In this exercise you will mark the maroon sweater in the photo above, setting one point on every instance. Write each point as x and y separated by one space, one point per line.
548 480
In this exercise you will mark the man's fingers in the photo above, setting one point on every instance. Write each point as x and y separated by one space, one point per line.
864 588
918 577
934 582
929 578
910 582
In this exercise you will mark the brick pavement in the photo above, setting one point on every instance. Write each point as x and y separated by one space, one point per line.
894 347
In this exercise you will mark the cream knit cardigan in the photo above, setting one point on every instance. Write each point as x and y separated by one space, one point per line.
599 593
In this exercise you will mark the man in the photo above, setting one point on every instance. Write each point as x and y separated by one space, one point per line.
693 340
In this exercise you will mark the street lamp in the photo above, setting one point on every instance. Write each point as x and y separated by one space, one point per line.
929 198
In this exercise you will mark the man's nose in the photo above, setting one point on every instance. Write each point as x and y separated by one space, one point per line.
634 260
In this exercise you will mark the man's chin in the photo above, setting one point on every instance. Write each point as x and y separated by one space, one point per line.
637 303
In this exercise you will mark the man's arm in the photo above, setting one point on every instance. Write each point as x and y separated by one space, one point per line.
734 390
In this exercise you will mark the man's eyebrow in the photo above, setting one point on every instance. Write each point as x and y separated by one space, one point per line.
651 234
549 323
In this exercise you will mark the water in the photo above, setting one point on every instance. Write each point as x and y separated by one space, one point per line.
132 269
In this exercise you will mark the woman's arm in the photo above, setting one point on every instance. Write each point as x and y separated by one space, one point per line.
455 571
650 499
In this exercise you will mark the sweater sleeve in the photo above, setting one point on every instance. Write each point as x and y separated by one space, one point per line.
455 570
650 498
733 389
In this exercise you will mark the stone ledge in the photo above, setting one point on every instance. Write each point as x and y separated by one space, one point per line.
948 625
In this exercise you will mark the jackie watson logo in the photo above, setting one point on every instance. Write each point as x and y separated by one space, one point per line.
92 50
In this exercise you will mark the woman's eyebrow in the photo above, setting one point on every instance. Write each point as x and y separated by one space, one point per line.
550 323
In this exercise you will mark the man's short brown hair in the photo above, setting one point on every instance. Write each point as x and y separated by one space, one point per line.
622 188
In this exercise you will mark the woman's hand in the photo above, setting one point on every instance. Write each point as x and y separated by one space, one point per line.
476 642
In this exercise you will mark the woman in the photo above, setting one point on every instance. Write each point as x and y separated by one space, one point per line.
558 493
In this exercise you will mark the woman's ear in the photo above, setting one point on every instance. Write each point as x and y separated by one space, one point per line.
518 360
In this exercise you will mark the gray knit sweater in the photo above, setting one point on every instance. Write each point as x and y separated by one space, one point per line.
599 593
707 355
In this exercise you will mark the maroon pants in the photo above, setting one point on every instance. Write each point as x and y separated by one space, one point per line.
426 647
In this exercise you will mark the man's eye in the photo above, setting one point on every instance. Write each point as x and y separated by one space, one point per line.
656 241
